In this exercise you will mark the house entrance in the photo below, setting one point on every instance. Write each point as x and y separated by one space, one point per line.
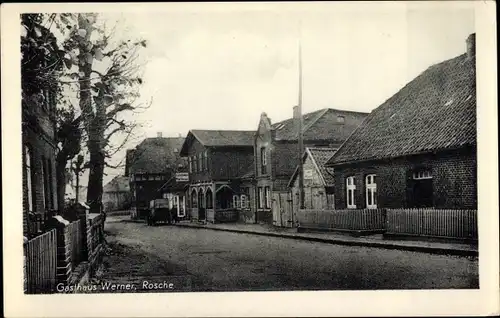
422 189
201 206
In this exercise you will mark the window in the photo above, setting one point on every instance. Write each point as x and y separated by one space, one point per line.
280 126
371 191
200 162
263 160
236 202
209 199
190 163
420 188
261 198
181 211
29 182
45 184
206 160
422 175
195 160
351 187
267 194
51 184
193 199
244 201
340 119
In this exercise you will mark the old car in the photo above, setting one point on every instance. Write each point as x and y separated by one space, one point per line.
159 211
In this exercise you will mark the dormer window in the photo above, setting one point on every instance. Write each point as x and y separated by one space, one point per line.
340 119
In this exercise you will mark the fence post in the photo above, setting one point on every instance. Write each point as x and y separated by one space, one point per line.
63 272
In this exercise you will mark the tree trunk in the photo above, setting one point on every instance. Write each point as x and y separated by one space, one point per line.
94 189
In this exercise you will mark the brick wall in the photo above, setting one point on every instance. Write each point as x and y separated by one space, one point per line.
41 149
454 180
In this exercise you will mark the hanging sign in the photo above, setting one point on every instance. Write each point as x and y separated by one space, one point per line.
182 177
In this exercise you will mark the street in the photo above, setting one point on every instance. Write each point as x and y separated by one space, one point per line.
207 260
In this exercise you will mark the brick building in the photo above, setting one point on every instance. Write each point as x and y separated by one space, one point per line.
153 162
417 149
216 160
277 153
38 153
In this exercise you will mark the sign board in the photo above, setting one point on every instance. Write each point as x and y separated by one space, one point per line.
308 174
182 177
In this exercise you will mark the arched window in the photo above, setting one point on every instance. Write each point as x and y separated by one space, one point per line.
209 198
194 197
201 198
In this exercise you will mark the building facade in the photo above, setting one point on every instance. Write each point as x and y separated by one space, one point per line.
418 149
39 148
116 194
216 160
318 181
152 163
276 150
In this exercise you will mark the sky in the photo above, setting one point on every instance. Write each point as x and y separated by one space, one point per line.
220 69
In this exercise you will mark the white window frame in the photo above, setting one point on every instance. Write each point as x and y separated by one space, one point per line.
29 181
267 194
181 212
422 175
206 160
236 201
350 192
261 197
244 201
371 191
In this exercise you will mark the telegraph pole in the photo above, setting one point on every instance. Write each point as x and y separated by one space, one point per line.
301 142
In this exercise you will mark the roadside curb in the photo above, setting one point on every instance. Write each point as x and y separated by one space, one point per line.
385 245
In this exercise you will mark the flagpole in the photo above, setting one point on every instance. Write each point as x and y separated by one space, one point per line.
300 141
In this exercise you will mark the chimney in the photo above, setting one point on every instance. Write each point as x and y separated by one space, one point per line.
159 134
296 113
471 46
180 135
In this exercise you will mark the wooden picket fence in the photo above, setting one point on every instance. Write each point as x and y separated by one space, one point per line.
460 224
354 220
41 263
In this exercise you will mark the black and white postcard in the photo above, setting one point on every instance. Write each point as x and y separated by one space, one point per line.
250 159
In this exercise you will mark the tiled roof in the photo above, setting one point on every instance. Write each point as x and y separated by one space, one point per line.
320 156
155 155
220 138
320 125
117 184
435 111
